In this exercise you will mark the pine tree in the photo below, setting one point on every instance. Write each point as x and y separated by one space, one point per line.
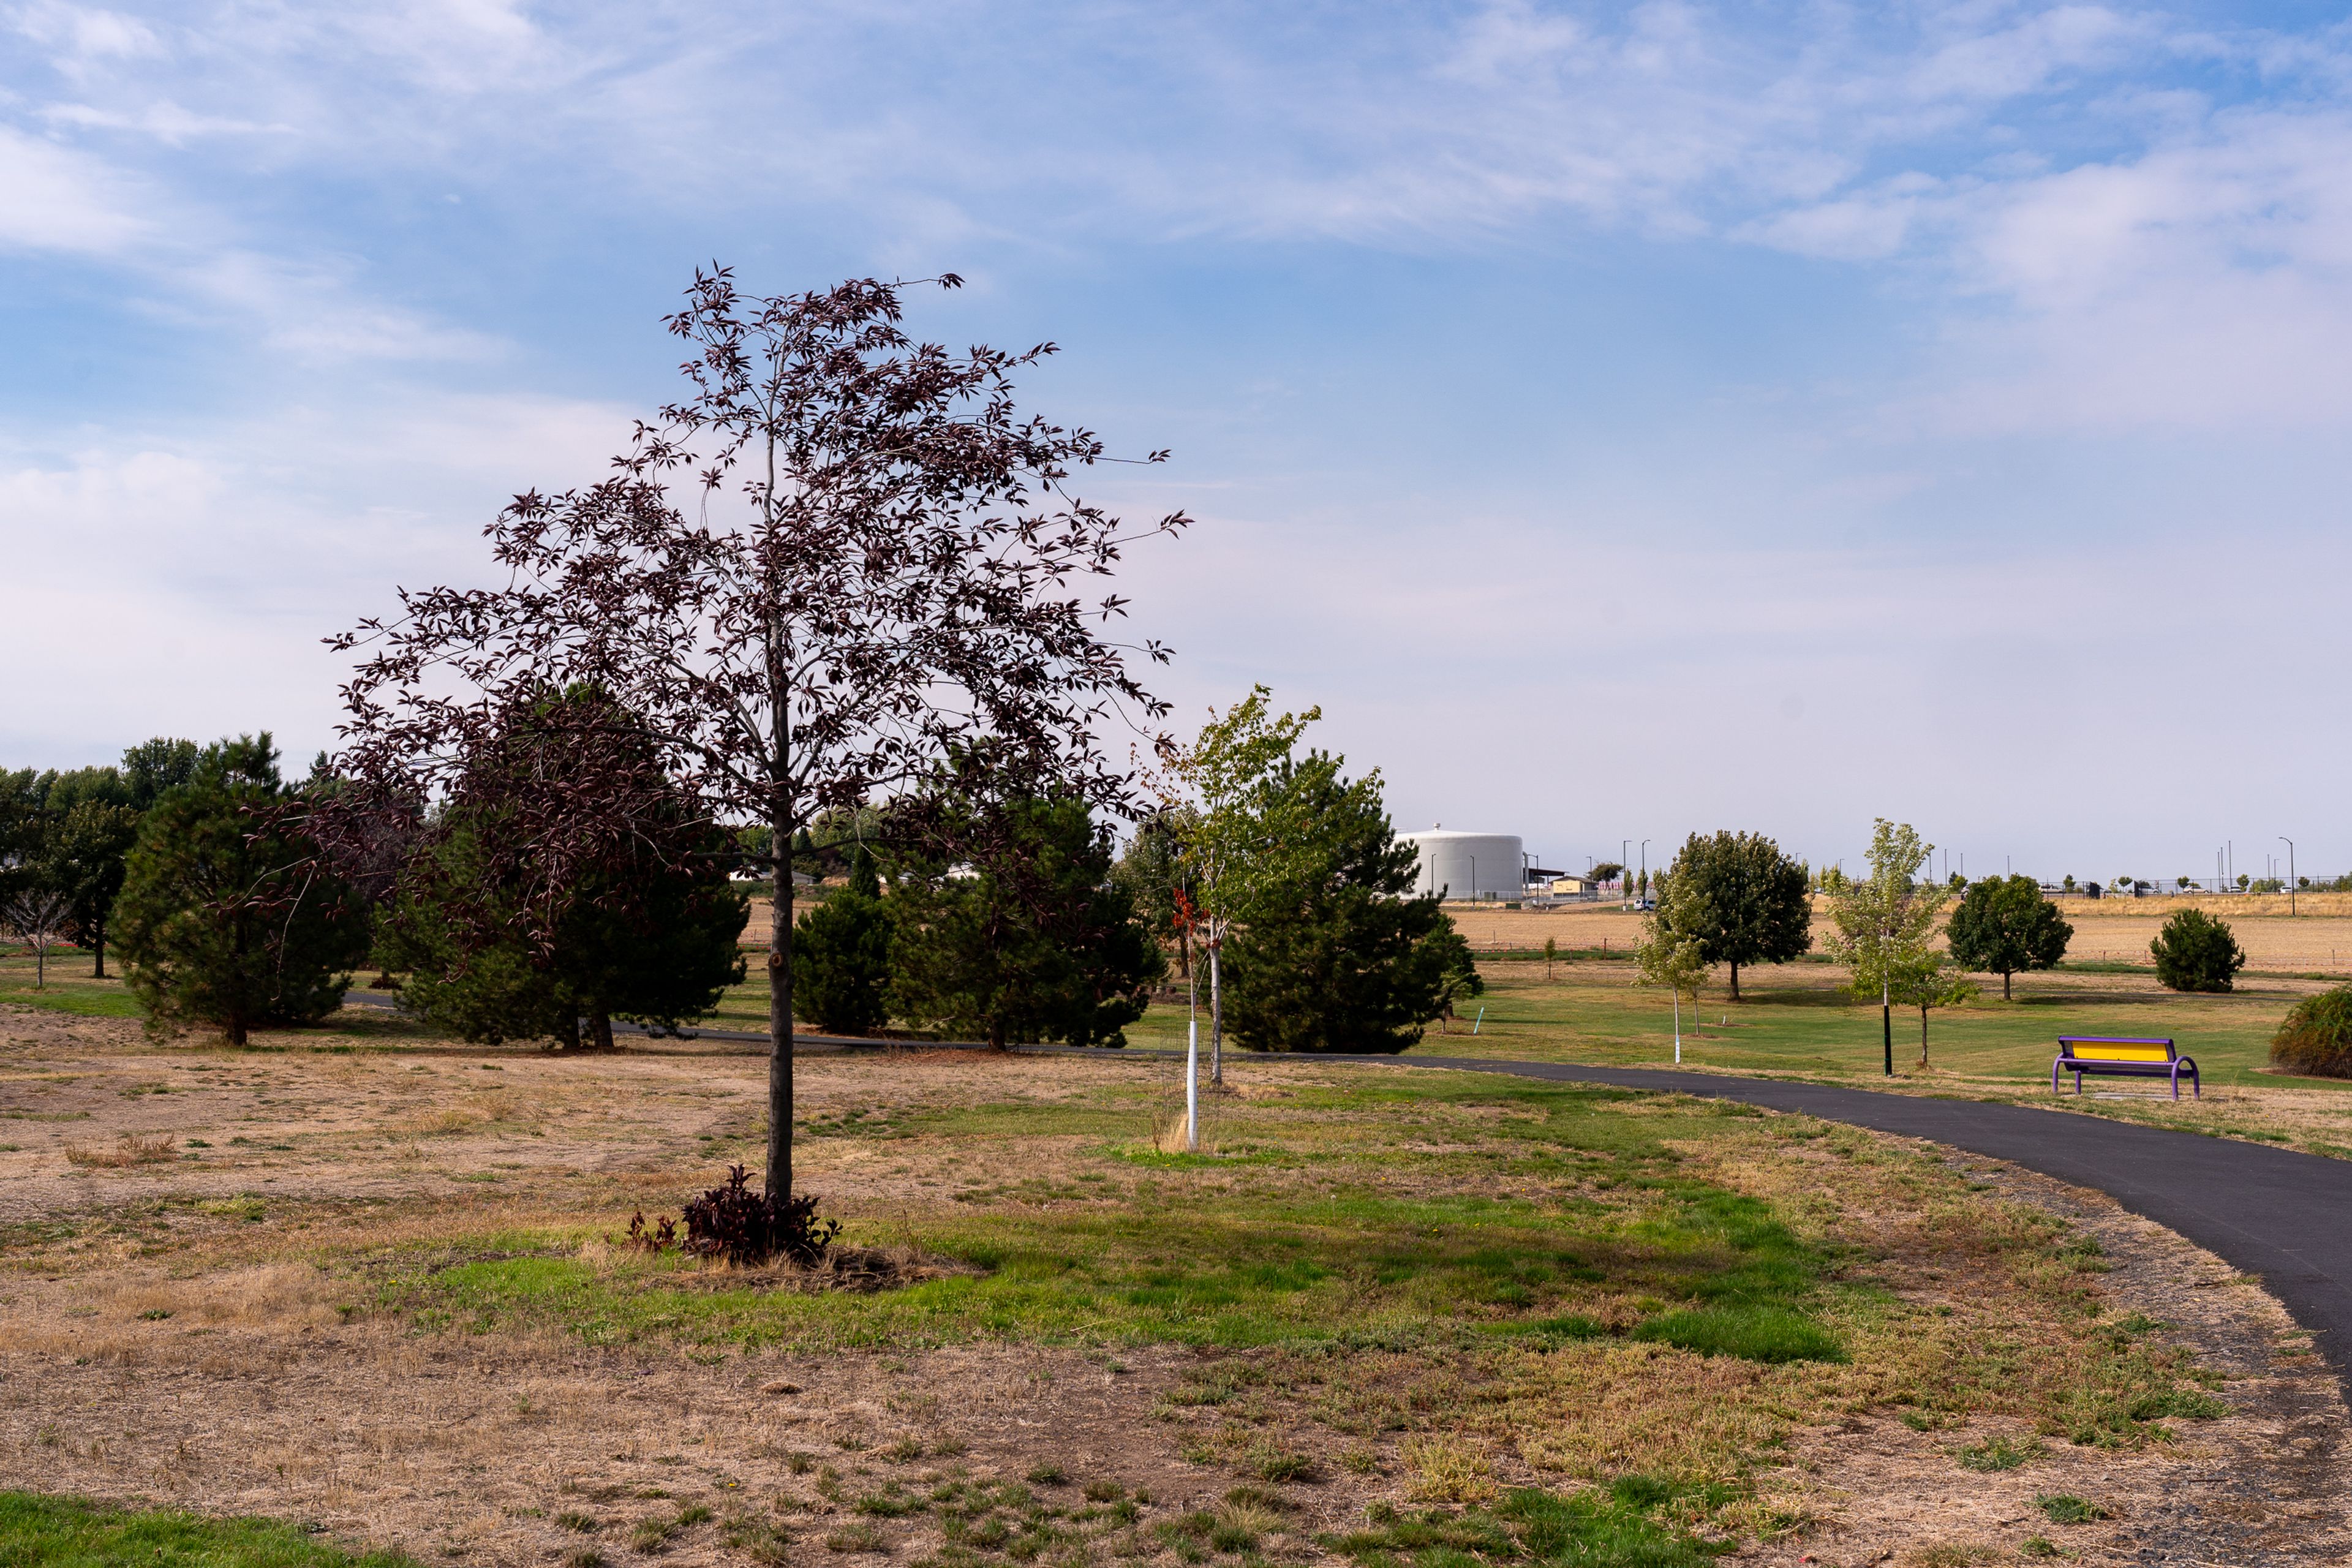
647 930
841 956
1035 941
1331 953
226 917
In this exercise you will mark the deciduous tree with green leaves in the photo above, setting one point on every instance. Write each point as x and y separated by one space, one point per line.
1237 829
2003 924
1930 981
1671 958
1740 899
1885 921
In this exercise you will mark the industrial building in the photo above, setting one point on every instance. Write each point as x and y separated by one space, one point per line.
1473 865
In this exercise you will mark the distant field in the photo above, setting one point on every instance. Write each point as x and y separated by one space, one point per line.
2319 939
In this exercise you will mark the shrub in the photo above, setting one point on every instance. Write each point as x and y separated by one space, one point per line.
2194 951
744 1227
2315 1039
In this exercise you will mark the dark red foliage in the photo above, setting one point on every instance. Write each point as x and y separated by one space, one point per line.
874 577
660 1238
742 1225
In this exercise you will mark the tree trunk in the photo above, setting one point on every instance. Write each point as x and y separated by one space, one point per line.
780 1013
1735 980
601 1022
1922 1036
1216 1019
2004 985
99 928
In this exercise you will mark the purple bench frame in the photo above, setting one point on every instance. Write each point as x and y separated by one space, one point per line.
2172 1066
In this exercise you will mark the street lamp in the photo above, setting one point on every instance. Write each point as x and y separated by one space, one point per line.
2290 873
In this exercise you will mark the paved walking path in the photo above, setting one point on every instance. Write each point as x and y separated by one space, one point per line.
2280 1215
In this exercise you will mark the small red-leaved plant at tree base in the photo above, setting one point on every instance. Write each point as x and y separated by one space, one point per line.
742 1225
660 1238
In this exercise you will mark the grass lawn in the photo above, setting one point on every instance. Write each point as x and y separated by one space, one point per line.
64 1533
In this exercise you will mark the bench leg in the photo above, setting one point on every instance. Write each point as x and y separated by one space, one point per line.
2078 1083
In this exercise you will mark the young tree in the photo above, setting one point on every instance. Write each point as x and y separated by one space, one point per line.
2194 951
875 578
1237 835
1157 872
37 915
1034 942
841 956
1332 951
1741 899
1884 924
1928 981
227 916
1669 958
2003 924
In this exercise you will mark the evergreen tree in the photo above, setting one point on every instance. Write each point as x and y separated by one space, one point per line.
841 956
225 916
1740 899
1035 942
2194 951
647 930
1331 954
2003 924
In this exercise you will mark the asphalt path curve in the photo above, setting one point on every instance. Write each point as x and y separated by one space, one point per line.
2274 1213
2270 1212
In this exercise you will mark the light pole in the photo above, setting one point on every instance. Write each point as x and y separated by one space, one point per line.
2290 873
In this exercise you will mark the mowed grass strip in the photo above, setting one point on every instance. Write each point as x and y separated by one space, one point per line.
38 1531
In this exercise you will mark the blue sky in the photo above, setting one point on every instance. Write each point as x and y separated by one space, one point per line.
1621 419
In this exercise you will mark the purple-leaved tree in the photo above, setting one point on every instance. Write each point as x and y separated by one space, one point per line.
843 567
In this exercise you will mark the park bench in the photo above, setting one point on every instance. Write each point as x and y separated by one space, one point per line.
2103 1053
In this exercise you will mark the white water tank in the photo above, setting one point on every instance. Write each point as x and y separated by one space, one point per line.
1467 865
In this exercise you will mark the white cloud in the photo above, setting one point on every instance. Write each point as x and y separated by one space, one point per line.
58 199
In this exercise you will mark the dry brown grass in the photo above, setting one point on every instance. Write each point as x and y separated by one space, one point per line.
2320 939
130 1149
200 1352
